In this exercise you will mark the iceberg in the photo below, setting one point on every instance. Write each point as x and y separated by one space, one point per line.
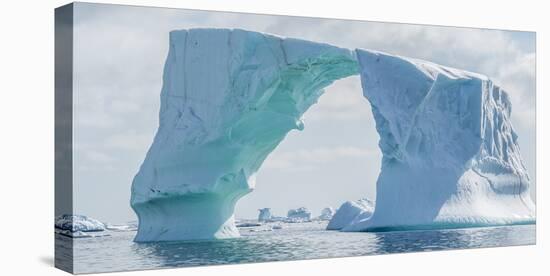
301 214
78 223
450 154
349 212
230 96
326 213
265 214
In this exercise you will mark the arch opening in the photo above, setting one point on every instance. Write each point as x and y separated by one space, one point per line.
335 158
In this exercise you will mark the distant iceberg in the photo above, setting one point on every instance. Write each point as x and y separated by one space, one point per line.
301 214
351 212
326 213
265 214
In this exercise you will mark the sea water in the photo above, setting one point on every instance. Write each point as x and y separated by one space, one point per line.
295 241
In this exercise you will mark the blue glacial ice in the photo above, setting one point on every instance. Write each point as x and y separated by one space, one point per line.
229 97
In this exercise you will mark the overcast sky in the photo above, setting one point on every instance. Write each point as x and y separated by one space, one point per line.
119 56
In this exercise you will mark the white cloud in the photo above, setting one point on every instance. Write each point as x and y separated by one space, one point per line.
130 141
342 101
98 157
307 159
130 55
519 82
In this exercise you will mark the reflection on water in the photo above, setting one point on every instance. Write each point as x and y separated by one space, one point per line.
295 241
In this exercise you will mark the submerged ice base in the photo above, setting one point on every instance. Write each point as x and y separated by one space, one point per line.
229 97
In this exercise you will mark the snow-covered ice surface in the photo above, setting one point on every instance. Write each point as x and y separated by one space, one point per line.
78 223
450 153
351 211
229 97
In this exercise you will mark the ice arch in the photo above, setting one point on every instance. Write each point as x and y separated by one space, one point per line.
229 97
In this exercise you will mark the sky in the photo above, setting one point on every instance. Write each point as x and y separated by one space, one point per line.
119 54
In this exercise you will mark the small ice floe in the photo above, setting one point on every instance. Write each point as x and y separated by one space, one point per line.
277 227
121 227
78 223
249 224
260 229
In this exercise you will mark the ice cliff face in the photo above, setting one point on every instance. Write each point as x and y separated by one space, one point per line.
265 214
450 154
228 99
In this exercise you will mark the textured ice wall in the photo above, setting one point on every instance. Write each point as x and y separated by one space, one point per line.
450 154
228 99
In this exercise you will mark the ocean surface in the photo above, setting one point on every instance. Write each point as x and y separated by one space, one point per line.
117 251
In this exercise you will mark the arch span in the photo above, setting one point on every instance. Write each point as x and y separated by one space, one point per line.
229 97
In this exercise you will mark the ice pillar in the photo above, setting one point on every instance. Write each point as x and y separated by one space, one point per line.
228 99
